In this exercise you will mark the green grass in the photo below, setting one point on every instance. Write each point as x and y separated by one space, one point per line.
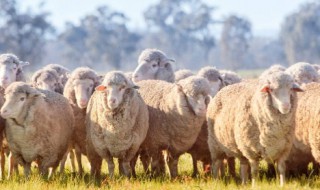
184 181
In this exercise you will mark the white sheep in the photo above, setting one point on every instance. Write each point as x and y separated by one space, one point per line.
39 126
61 70
154 64
229 77
78 91
117 123
47 79
303 73
251 120
176 114
182 74
213 76
11 70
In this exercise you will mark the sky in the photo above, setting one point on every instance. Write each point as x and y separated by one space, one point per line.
266 16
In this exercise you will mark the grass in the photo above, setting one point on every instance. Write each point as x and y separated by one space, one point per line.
71 181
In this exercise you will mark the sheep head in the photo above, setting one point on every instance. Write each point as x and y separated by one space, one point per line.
115 87
280 88
47 79
196 91
155 65
10 68
17 96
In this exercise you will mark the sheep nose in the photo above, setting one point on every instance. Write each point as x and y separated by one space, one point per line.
112 100
286 105
83 101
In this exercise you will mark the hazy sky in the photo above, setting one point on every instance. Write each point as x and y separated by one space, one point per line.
266 16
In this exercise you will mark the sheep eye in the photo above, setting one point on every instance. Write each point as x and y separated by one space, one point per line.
91 85
121 87
154 65
22 99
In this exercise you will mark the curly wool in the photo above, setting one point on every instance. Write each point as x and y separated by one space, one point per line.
13 59
148 55
194 85
182 74
303 73
61 70
48 75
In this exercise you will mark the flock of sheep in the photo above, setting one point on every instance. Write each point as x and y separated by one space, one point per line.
214 115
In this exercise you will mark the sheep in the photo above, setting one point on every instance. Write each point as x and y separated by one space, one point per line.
39 125
213 76
305 145
200 150
176 114
257 125
78 91
117 123
61 70
272 69
182 74
229 77
11 70
47 79
303 73
154 64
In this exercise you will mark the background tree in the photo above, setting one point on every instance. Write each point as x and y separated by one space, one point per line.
300 34
234 42
181 27
23 33
102 40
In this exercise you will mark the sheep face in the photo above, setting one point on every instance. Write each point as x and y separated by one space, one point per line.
8 73
46 82
199 104
154 70
215 87
83 90
281 95
113 94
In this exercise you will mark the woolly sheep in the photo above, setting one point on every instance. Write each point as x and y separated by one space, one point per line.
153 64
303 73
117 123
47 79
11 70
229 77
306 144
213 76
257 125
78 91
176 114
182 74
272 69
39 126
61 70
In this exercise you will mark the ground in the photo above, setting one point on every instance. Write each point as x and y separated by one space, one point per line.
70 181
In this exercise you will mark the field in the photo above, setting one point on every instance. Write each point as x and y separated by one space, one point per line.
70 181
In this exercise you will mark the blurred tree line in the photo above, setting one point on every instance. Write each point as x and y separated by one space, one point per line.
185 29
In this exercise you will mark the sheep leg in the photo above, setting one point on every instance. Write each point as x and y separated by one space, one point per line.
73 165
244 170
254 164
216 164
3 160
195 167
27 169
173 165
78 157
13 166
222 170
281 165
145 160
162 164
133 165
120 165
63 162
232 167
94 159
109 159
126 168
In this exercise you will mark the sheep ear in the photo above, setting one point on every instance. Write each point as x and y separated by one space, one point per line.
179 87
135 87
100 88
207 100
22 64
296 88
265 88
